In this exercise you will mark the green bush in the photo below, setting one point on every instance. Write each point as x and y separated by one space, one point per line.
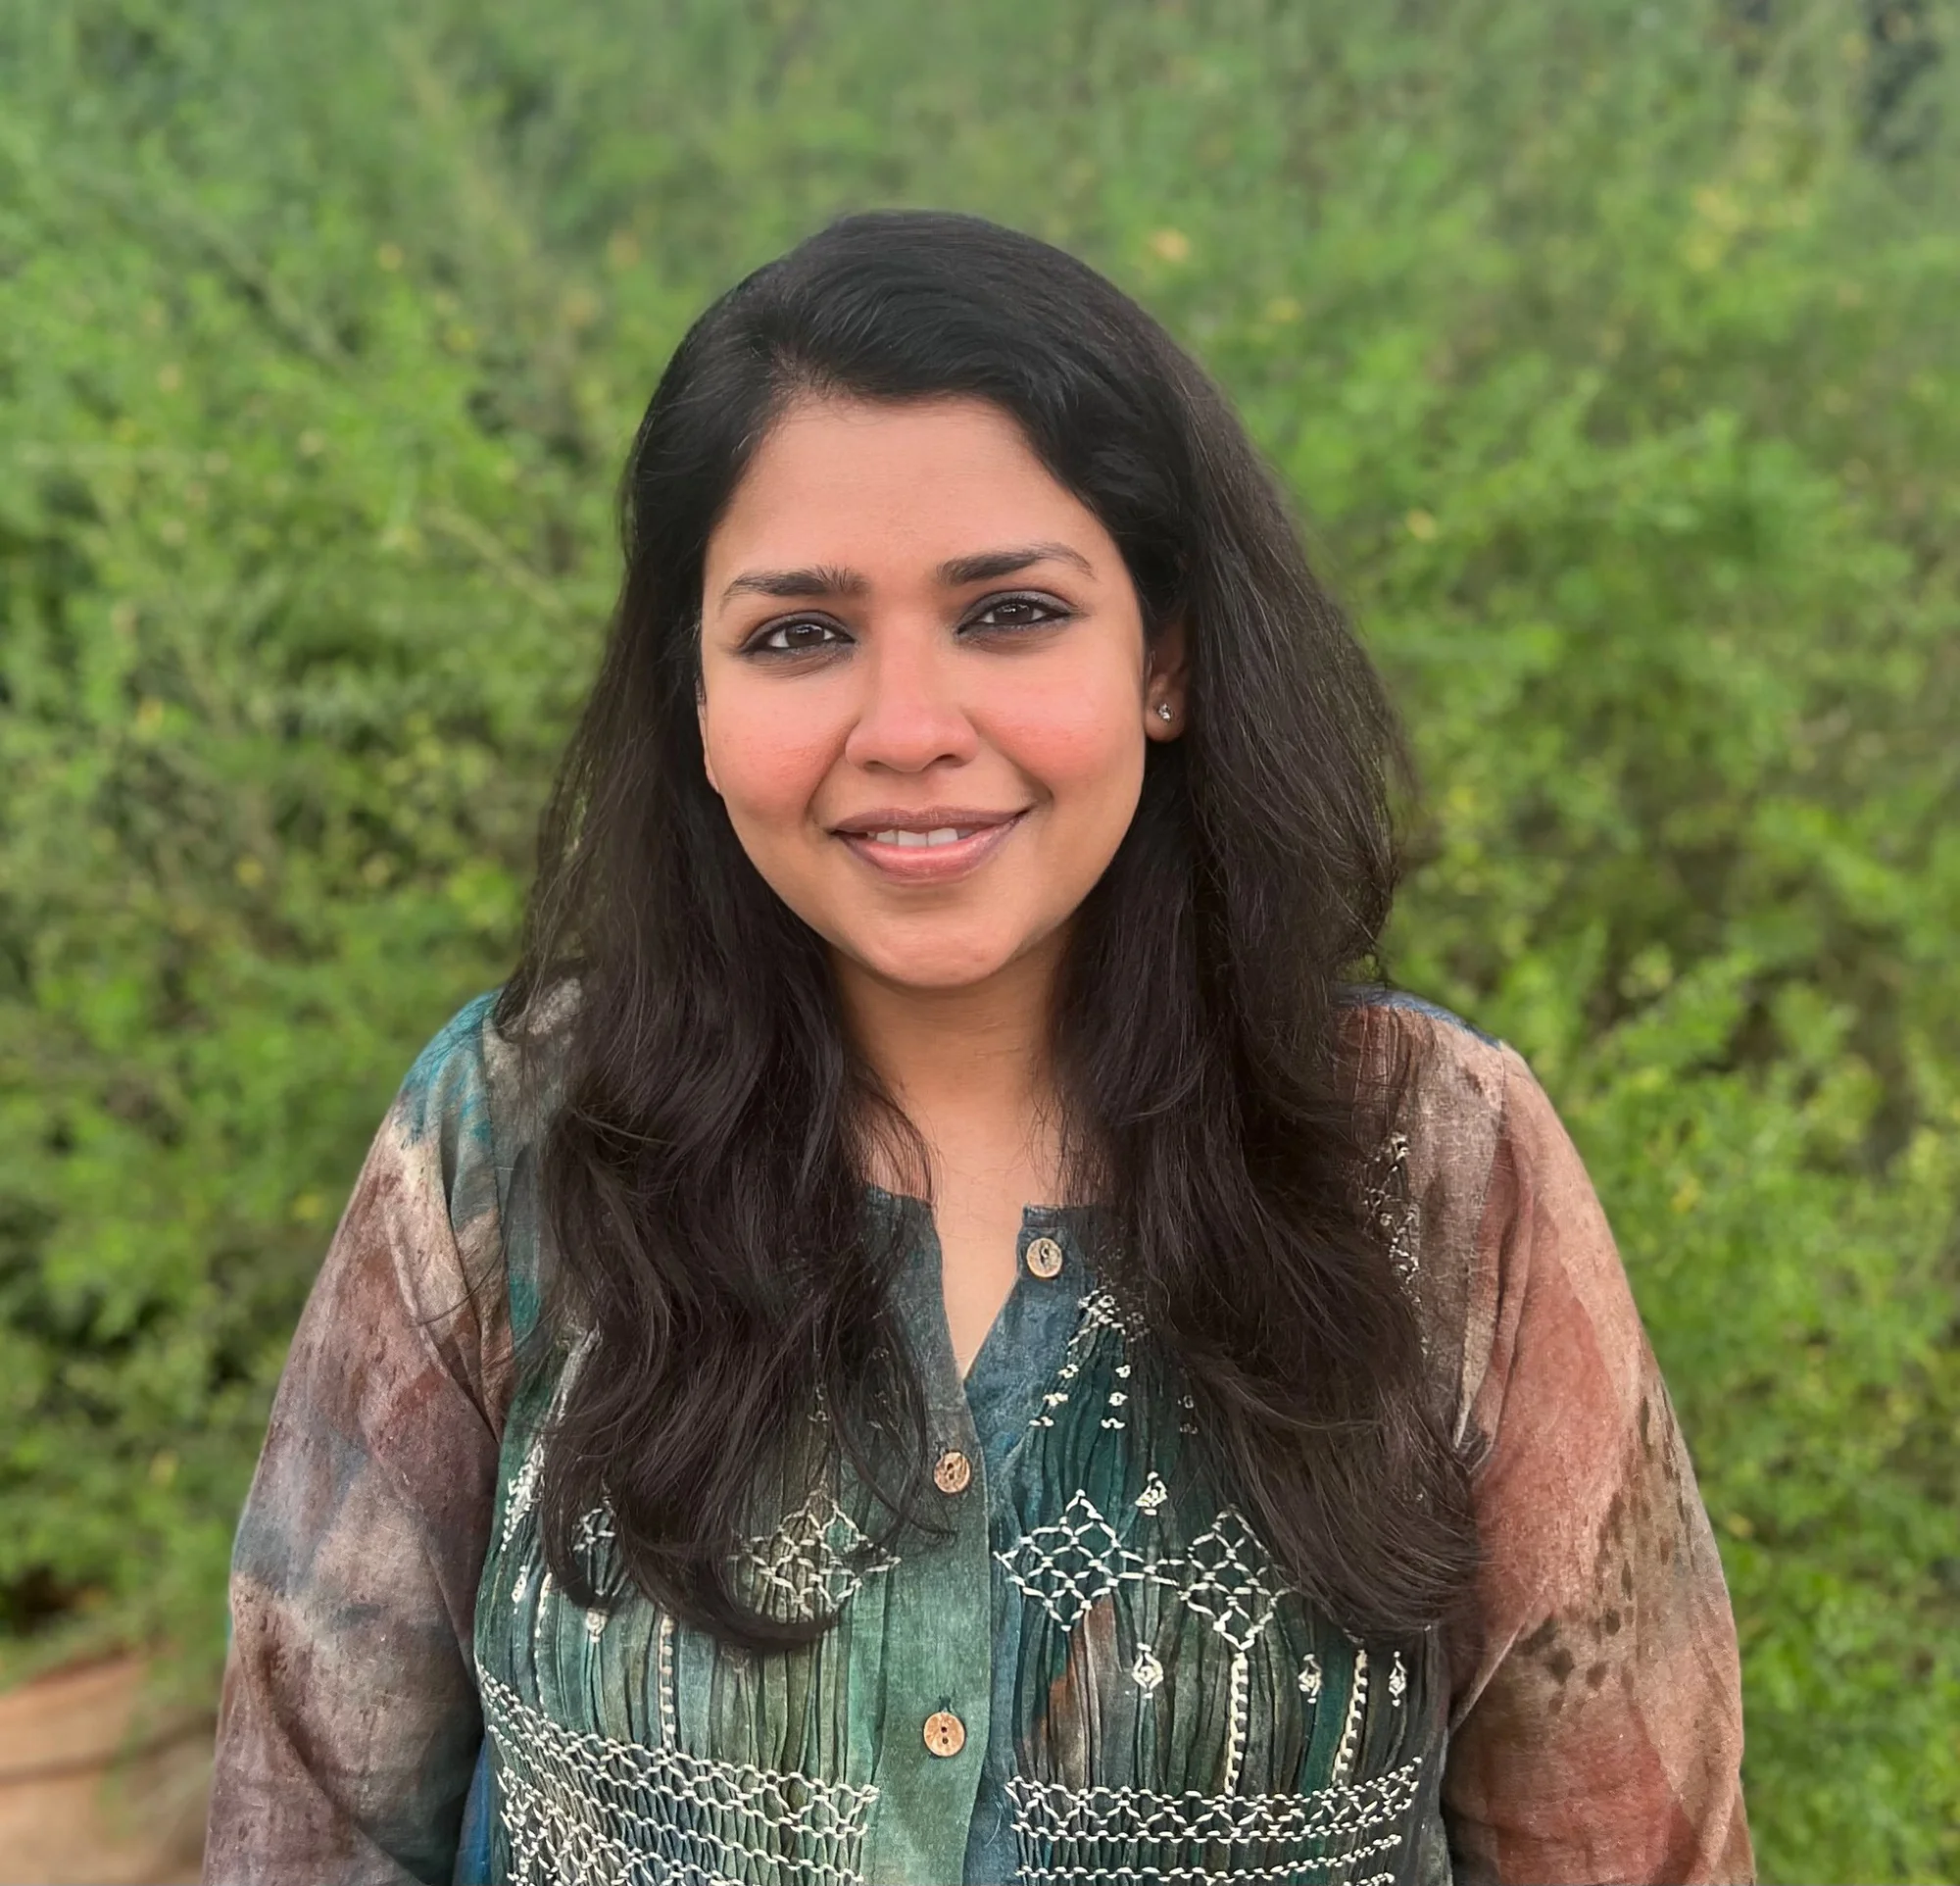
1611 352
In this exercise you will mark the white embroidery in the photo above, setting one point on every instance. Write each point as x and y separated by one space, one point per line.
1309 1678
1078 1559
1154 1493
1101 1311
1098 1310
1351 1730
1146 1672
1397 1681
1227 1587
586 1811
665 1675
815 1562
525 1486
1235 1738
1073 1563
1392 1210
525 1483
1077 1834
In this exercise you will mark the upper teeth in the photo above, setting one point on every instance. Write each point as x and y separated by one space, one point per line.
944 836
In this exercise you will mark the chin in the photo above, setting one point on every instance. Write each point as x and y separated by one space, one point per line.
952 965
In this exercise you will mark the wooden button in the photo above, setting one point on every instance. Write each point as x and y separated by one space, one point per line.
944 1732
1044 1258
953 1472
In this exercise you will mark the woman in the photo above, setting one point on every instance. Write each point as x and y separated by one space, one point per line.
927 1333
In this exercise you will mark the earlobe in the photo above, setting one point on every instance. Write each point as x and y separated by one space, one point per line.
1164 683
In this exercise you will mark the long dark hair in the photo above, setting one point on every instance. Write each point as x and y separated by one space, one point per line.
702 1176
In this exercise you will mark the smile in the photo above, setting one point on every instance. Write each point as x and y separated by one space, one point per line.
932 847
945 835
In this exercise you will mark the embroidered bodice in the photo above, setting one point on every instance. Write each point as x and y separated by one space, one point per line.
1100 1674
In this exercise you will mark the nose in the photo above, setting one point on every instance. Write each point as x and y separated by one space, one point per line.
909 716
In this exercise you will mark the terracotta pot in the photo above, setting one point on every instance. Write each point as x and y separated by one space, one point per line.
93 1794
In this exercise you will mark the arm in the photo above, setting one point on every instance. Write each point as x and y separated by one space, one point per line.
1597 1717
350 1722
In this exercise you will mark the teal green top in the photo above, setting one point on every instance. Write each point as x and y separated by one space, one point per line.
1133 1692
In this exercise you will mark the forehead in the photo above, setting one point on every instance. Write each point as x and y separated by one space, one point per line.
880 484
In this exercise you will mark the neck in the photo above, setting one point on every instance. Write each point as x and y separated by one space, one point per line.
968 1065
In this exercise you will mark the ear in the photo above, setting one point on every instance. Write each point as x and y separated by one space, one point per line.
1166 678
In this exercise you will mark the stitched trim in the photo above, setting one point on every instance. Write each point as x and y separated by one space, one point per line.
582 1810
1109 1833
1351 1730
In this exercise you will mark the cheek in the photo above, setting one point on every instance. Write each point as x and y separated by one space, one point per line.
1082 742
768 757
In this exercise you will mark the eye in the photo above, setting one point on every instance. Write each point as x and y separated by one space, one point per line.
798 636
1020 612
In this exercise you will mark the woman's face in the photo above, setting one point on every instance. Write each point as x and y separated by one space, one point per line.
925 692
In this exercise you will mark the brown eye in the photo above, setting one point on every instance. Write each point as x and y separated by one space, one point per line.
1020 612
794 638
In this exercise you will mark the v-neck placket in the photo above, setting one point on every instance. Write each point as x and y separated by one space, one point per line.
969 1629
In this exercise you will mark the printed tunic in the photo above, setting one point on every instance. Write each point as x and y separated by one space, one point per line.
1093 1670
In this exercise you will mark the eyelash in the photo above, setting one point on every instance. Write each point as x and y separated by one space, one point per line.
758 643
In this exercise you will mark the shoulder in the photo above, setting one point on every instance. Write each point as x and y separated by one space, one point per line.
1451 1111
1427 1073
476 1095
469 1118
447 1087
445 1118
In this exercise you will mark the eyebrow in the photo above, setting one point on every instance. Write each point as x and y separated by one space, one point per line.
826 579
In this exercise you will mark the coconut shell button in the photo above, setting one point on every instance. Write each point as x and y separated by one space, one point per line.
1044 1259
953 1472
944 1733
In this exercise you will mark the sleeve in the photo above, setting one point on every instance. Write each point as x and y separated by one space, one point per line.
1596 1706
349 1724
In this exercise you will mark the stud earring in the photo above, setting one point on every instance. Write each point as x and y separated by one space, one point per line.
1164 711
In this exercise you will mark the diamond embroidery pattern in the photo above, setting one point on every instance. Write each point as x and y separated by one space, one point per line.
815 1562
1073 1563
1080 1558
1228 1588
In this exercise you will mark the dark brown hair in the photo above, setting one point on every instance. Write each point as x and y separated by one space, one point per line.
702 1176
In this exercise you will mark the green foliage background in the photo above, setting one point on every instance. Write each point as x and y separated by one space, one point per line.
1613 354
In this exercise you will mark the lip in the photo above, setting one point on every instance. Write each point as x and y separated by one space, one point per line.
922 863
